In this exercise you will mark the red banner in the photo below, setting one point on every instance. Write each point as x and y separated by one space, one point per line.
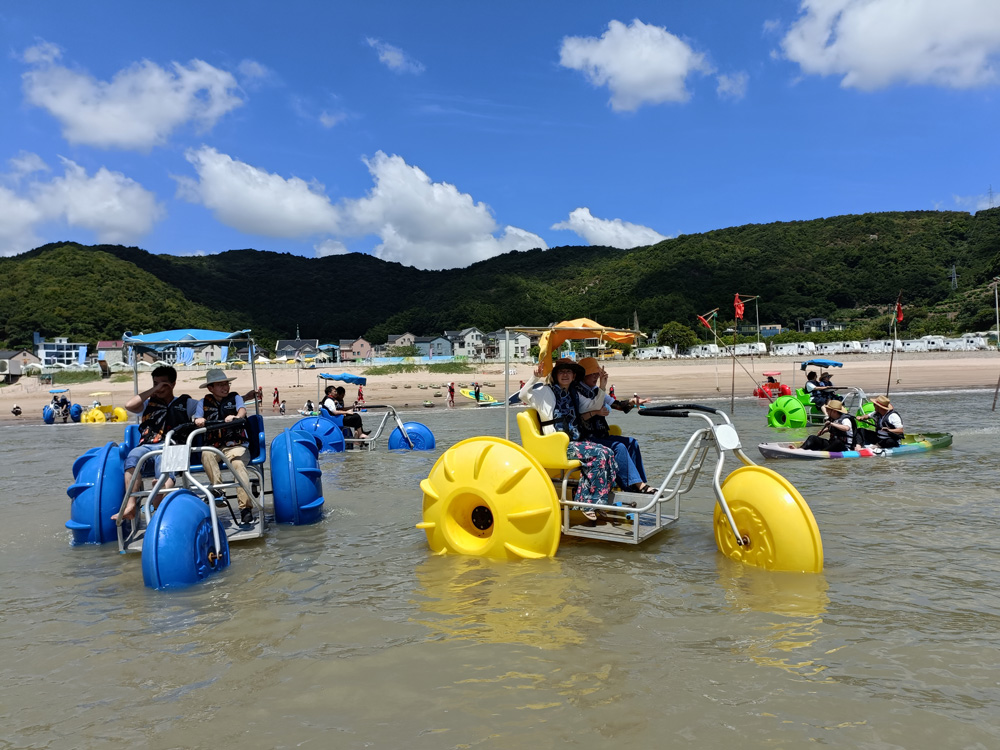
738 304
899 312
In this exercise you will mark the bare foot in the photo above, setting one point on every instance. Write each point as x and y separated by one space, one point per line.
129 512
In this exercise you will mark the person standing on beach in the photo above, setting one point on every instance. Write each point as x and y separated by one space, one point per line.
451 393
476 391
275 401
281 408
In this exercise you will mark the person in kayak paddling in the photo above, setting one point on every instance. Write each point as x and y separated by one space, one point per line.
888 432
841 427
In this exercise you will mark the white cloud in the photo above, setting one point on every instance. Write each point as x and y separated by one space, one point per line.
975 203
18 218
26 163
329 120
251 70
876 43
43 53
394 58
771 26
732 86
116 208
420 223
255 201
138 109
428 224
330 247
640 64
609 232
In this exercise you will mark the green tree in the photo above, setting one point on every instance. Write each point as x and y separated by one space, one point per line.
677 336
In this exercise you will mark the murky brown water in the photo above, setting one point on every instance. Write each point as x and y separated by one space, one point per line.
349 634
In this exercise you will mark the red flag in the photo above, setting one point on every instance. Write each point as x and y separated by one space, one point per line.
738 304
705 323
899 312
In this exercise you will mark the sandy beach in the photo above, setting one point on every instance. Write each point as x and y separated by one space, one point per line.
658 380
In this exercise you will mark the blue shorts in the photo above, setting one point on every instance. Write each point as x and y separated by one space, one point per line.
132 460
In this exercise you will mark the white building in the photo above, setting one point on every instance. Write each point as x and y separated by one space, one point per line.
59 351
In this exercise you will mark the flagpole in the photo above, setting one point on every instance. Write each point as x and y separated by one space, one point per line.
895 318
737 316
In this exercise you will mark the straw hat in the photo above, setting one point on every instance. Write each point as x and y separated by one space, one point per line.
590 365
882 401
836 405
567 364
216 376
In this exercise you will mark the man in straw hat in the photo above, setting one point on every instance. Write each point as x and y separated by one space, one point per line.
841 427
888 432
221 405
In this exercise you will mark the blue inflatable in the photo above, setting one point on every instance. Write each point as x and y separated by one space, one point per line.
296 479
326 430
421 437
178 549
75 412
48 415
96 494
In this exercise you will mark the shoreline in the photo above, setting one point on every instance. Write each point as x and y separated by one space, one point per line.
658 380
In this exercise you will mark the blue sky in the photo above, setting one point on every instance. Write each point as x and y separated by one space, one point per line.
437 134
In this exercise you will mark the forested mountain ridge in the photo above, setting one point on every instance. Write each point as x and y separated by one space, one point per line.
800 269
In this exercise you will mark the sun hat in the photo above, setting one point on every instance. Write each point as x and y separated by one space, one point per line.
590 365
216 376
567 364
882 401
836 406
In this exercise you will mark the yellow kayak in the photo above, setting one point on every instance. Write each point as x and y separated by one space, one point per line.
484 398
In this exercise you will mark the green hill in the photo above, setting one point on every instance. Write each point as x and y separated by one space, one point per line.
845 267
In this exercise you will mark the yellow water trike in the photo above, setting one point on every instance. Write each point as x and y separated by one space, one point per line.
100 412
491 497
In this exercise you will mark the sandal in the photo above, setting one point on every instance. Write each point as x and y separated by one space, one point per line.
645 490
590 515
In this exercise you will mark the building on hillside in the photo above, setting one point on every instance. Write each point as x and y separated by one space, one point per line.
819 325
296 348
772 329
402 339
14 362
466 343
496 345
355 350
433 346
59 351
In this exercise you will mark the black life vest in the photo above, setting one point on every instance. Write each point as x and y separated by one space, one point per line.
880 427
159 418
217 411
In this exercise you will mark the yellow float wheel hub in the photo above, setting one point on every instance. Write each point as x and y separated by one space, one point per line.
488 497
775 522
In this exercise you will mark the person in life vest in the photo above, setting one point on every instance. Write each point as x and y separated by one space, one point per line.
275 401
333 405
888 432
361 394
451 393
841 427
221 405
161 412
